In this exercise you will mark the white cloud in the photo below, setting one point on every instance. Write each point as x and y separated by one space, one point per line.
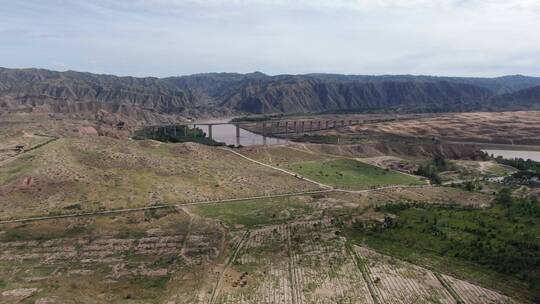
355 4
167 37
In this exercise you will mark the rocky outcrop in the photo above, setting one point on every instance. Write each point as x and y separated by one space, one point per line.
527 98
220 94
300 96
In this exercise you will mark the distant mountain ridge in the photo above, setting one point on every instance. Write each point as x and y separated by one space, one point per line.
218 94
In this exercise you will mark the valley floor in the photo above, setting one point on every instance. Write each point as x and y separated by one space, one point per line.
96 219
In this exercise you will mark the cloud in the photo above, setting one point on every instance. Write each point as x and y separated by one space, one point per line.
351 4
167 37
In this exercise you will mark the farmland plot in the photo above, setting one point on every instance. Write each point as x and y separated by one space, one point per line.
322 269
260 272
59 267
472 294
146 257
299 263
396 281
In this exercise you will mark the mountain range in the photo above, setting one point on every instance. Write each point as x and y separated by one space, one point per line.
224 94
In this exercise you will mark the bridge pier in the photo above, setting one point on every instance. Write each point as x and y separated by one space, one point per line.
210 131
302 127
237 134
295 128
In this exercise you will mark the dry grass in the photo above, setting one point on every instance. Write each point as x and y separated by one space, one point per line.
109 259
103 173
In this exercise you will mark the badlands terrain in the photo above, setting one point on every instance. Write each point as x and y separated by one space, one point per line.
89 215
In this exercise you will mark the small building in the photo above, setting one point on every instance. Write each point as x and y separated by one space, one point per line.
19 148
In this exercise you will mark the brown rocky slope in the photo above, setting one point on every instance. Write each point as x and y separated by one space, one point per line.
221 94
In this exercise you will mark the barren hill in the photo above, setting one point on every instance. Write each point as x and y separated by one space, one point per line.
526 98
219 94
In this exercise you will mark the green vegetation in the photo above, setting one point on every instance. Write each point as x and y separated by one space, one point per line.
352 174
256 213
28 232
521 164
432 169
528 170
175 134
502 239
500 170
13 170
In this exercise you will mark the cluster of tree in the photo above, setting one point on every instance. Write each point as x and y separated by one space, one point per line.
503 238
522 207
521 164
175 134
432 169
472 185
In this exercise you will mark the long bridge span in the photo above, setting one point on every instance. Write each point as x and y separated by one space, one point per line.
272 127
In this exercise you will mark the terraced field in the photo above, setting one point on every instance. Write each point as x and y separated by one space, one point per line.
323 269
395 281
106 259
470 293
308 262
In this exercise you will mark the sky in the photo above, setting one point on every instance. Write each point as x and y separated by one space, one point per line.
178 37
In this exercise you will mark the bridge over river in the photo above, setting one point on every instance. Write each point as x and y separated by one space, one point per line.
259 132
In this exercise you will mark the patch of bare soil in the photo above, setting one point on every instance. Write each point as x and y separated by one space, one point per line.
522 127
17 295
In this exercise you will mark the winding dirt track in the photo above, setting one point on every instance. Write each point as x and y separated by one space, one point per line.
280 169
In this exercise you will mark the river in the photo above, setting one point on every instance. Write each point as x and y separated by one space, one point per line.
227 133
511 154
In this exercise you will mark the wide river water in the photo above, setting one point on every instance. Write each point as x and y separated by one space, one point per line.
227 133
510 154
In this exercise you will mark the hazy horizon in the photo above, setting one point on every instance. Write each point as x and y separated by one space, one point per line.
162 38
267 74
